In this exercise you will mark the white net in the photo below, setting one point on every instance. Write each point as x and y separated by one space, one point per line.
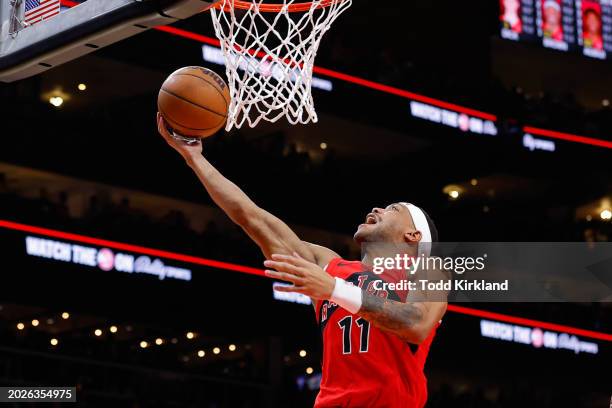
269 57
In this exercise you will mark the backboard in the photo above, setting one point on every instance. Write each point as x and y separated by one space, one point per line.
78 29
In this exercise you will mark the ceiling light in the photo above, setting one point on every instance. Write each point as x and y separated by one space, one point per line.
20 326
144 344
303 353
232 347
54 342
82 87
65 315
309 370
216 350
56 101
113 329
201 353
453 191
159 341
98 332
35 322
606 215
323 145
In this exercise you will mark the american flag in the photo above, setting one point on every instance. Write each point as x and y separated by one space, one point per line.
38 10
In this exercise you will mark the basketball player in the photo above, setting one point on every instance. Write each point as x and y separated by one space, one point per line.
510 15
592 29
375 342
552 20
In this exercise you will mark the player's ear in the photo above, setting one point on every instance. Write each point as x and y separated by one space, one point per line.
413 236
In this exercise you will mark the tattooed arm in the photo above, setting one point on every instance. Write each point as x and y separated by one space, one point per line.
412 322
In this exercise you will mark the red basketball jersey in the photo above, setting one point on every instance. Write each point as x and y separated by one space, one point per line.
364 366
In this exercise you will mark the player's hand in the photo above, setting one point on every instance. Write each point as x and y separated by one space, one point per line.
188 151
307 278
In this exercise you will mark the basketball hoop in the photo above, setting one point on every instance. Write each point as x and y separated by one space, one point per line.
269 56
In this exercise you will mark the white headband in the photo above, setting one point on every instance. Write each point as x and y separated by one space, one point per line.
421 224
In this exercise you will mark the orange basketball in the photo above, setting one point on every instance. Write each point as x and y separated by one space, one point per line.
194 102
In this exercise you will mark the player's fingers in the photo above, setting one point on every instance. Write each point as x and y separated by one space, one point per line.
161 127
284 267
300 261
159 121
292 259
275 274
291 289
287 277
294 276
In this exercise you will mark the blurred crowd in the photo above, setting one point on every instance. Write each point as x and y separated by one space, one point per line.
121 222
555 109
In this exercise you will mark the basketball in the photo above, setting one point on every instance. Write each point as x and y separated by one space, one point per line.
194 102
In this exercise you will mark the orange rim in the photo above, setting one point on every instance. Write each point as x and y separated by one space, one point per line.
274 8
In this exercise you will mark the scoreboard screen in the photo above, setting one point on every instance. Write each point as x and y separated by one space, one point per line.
583 26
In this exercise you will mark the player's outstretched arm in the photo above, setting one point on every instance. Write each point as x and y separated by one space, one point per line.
270 233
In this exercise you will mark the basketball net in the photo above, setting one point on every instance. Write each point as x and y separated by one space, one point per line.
269 57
